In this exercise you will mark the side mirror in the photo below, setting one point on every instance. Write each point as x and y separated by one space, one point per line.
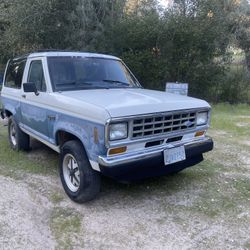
30 87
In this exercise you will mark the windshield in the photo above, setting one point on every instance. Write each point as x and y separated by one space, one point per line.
76 73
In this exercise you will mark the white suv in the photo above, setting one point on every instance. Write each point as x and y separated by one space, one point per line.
92 110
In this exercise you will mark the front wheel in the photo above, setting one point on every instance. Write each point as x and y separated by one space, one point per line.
79 180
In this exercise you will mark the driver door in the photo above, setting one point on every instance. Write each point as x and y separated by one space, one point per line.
33 107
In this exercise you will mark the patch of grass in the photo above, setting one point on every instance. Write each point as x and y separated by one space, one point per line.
211 198
242 185
223 195
65 225
214 201
56 197
234 119
205 190
227 192
247 245
12 161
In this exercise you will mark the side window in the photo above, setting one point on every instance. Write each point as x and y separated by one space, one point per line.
36 75
14 74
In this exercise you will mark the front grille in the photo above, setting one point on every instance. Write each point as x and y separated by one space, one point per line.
163 124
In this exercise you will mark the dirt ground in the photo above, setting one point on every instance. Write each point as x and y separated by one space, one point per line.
204 207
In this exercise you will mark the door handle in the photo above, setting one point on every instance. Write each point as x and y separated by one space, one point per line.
23 96
51 117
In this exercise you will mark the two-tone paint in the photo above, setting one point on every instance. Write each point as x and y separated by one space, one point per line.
86 114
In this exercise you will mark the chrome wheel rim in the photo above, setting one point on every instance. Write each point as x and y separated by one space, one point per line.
13 134
71 172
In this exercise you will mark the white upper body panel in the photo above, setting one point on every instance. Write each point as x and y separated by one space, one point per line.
131 102
71 54
77 107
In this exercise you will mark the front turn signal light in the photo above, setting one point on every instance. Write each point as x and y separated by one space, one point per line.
114 151
199 133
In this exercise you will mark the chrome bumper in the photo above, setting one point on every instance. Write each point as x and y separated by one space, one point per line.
147 153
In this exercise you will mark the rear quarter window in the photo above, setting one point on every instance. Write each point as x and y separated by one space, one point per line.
14 74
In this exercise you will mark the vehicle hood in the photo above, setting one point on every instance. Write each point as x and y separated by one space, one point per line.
127 102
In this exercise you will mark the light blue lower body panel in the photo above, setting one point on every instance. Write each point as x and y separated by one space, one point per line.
38 124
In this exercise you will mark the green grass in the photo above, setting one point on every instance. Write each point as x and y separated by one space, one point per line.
65 225
12 162
234 119
228 190
56 197
222 196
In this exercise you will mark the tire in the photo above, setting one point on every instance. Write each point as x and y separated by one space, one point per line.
80 182
17 138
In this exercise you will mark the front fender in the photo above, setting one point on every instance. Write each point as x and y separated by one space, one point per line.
84 131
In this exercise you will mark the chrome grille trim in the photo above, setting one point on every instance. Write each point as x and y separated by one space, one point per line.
162 124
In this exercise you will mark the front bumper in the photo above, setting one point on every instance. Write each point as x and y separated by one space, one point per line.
150 162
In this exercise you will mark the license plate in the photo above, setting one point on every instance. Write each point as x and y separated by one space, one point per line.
173 155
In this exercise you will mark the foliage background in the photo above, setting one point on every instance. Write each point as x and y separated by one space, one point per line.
203 42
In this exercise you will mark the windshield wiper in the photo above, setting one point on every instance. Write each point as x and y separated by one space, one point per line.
116 81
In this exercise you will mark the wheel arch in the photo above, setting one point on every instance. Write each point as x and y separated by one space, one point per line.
7 113
63 136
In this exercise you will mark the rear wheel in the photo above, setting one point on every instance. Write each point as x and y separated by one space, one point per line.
17 138
79 180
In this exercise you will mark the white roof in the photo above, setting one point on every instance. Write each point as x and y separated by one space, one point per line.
68 53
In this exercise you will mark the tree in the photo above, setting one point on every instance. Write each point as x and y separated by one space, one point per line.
58 24
242 30
188 42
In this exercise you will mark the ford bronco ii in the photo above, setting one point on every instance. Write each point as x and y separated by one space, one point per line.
92 110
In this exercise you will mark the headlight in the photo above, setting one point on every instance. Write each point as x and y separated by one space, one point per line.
118 131
202 118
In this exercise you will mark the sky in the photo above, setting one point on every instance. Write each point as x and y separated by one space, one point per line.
165 3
